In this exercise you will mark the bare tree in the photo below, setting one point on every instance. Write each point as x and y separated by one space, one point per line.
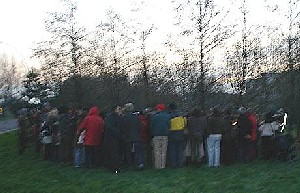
61 55
208 32
9 76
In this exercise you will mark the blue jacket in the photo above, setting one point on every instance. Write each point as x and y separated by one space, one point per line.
160 124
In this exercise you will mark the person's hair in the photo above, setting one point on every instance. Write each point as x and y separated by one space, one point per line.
62 109
129 107
268 117
115 107
172 106
216 112
196 112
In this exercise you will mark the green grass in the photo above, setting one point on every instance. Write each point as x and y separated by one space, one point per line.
28 173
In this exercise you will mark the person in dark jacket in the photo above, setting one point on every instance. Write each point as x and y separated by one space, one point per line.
23 132
112 139
67 134
214 132
228 149
197 124
131 128
244 135
159 130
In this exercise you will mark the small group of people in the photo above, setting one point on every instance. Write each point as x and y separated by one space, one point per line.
159 137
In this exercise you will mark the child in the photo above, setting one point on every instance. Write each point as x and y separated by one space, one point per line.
79 150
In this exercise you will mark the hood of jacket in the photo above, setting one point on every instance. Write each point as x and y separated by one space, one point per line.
94 111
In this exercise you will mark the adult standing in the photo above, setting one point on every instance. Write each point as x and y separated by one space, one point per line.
228 148
253 140
145 135
67 133
112 139
159 130
214 129
23 132
244 135
53 124
131 126
268 130
93 125
176 137
197 124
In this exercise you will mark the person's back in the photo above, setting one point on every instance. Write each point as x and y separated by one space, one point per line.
160 123
215 125
177 126
93 124
23 131
112 140
253 120
145 129
177 136
159 127
112 127
132 126
245 127
214 132
197 125
244 135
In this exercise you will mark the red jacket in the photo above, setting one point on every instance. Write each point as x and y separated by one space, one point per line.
93 125
253 120
145 137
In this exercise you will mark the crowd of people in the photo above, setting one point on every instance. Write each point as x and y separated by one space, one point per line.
156 137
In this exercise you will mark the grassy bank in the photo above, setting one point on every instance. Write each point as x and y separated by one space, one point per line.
28 173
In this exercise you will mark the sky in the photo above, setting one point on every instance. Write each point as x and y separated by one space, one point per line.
22 21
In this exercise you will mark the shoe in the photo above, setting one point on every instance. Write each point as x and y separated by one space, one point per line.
141 166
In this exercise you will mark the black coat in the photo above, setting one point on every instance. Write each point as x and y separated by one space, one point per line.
131 127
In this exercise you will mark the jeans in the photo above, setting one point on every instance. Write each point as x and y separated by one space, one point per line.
213 149
197 150
79 155
90 155
134 148
176 149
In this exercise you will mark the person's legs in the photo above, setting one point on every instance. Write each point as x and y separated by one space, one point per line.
210 150
89 156
172 151
156 151
180 153
139 154
194 149
201 151
217 140
78 156
128 155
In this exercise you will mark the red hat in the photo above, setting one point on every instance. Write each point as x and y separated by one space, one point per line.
160 107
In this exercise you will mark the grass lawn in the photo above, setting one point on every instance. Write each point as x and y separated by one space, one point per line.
28 173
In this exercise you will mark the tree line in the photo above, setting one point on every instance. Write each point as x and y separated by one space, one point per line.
210 59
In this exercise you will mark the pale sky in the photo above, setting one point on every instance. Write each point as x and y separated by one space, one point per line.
22 21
